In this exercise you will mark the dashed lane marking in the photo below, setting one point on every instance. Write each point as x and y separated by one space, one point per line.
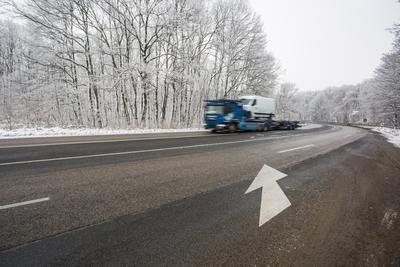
14 205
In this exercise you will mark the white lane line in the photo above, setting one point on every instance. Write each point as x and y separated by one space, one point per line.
296 148
24 203
141 151
106 141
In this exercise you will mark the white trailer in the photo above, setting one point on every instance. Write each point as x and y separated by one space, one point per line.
259 106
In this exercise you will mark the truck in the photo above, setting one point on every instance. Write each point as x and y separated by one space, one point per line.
249 113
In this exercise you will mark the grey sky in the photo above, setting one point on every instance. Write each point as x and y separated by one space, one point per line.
320 43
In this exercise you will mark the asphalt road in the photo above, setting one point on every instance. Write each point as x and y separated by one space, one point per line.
178 199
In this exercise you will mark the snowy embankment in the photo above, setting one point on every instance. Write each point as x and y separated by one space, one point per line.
57 131
392 135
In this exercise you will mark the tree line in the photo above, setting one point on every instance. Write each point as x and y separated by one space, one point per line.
128 63
374 101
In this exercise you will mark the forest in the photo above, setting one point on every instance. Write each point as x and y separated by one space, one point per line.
129 63
152 63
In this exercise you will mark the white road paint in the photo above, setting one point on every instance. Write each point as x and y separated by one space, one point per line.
273 199
296 148
389 218
141 151
105 141
24 203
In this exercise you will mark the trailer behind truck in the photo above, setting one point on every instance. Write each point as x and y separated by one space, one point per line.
260 107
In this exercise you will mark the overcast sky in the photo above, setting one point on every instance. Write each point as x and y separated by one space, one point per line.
321 43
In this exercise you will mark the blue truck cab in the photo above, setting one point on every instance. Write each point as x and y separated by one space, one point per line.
230 115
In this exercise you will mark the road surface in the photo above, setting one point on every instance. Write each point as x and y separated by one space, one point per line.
179 199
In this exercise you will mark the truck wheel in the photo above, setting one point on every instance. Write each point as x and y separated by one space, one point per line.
266 127
232 128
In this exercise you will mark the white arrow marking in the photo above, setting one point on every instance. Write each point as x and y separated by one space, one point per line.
273 199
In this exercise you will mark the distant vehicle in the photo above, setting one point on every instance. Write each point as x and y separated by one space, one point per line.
250 113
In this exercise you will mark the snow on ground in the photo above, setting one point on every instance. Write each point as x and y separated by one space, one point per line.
306 126
57 131
392 135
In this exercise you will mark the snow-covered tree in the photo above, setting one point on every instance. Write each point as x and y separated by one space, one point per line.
128 63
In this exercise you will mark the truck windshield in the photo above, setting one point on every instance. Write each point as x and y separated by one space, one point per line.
215 109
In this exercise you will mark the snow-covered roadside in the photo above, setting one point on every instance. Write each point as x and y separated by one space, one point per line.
392 135
57 131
